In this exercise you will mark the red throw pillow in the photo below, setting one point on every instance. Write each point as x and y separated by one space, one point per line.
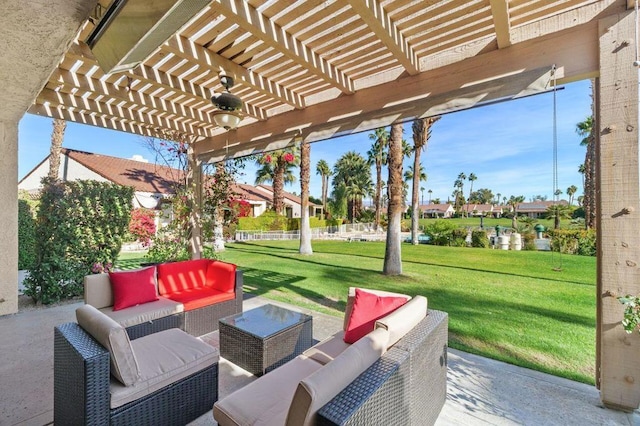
367 309
132 288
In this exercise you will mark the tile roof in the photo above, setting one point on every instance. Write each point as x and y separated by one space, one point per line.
289 196
143 177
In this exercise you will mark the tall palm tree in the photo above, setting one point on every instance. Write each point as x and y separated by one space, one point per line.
421 130
422 195
393 256
585 129
570 192
430 192
323 169
351 170
472 178
378 156
513 202
305 228
459 183
277 168
57 136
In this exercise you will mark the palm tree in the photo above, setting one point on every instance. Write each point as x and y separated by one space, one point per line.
378 156
323 169
422 195
585 129
472 178
459 183
305 171
57 136
556 212
351 170
276 168
513 202
392 255
430 192
421 133
570 192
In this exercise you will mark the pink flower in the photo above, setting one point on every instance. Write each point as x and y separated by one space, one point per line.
288 157
267 158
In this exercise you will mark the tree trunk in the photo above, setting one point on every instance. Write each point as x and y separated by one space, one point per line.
218 219
393 256
305 229
414 194
378 196
278 186
57 136
324 196
590 182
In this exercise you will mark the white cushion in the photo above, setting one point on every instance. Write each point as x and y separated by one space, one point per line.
403 319
145 312
97 290
328 349
114 338
265 402
319 388
164 358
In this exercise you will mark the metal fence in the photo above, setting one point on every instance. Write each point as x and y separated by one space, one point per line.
347 232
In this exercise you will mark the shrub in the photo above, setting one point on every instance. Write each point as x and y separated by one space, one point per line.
458 237
479 238
26 236
573 241
167 247
440 232
78 224
528 242
142 225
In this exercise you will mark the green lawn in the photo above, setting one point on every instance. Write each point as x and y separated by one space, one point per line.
511 306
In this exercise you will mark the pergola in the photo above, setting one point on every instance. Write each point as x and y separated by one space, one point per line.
312 70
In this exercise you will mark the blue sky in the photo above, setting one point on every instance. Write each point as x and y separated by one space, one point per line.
509 146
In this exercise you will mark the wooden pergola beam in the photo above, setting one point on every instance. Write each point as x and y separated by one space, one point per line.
501 22
148 75
119 110
187 49
249 19
448 88
68 82
374 15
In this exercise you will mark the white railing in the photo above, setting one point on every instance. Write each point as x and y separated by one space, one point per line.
348 232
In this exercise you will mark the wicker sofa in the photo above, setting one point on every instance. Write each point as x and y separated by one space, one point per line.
394 375
103 378
192 295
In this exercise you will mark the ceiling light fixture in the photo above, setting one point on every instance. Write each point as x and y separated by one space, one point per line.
229 104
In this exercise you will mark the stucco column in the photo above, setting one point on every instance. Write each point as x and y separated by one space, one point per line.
618 210
9 218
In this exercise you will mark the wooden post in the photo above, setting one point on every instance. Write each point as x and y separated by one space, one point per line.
194 182
618 211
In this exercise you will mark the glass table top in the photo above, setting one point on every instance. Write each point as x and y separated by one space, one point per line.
266 320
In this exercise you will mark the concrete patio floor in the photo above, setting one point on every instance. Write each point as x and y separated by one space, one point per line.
480 391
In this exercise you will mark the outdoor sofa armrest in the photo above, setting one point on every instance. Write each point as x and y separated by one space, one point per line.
407 385
81 373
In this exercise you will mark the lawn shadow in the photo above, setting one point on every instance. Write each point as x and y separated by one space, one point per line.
259 282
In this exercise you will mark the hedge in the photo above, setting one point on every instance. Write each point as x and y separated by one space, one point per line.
79 224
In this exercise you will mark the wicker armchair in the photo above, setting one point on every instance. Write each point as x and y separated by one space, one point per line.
82 390
406 386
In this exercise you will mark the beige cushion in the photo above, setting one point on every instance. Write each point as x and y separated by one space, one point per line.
403 319
265 402
114 338
146 312
164 358
352 297
328 349
320 387
97 291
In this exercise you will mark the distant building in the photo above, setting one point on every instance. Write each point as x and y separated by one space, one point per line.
537 209
485 210
443 211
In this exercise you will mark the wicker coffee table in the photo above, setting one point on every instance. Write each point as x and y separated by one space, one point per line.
264 338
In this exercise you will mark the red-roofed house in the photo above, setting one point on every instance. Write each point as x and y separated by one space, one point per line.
151 182
293 203
443 211
536 209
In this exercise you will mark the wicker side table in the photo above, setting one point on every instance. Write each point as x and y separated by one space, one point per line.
264 338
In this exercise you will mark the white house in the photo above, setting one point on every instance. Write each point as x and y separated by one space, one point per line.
443 211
